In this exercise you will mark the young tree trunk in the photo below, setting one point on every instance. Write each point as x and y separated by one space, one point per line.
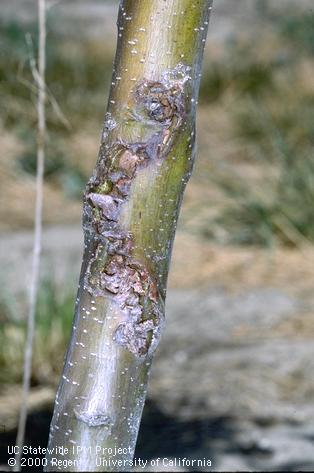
131 206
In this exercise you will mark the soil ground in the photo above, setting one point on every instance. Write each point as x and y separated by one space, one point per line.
231 379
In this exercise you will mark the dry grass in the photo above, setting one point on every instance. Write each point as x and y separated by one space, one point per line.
255 113
17 192
235 267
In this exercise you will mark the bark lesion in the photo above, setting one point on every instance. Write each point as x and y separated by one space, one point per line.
94 419
161 103
113 271
138 298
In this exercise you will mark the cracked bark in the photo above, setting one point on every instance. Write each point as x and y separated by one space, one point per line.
131 206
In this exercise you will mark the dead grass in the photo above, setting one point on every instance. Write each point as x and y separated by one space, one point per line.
237 161
17 192
236 268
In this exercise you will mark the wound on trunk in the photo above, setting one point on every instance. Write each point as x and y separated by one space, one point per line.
113 271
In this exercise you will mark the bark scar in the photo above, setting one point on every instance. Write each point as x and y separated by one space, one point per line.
94 419
113 271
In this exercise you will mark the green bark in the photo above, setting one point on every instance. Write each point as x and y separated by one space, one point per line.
131 206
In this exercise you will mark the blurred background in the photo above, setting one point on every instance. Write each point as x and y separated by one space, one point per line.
233 378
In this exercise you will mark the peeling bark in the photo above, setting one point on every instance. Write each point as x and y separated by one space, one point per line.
131 206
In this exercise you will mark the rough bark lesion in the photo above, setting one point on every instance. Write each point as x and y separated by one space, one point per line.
161 103
114 271
94 419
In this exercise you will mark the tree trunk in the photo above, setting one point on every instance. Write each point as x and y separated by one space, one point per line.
131 206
